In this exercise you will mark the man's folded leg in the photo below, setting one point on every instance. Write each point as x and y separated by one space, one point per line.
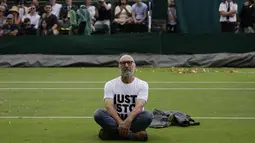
140 124
109 126
110 129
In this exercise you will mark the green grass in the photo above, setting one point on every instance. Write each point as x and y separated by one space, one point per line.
71 102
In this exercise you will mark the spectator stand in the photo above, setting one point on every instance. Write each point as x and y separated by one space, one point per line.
77 3
115 3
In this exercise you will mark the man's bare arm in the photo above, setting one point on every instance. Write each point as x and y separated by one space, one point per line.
223 13
111 111
138 109
144 16
133 16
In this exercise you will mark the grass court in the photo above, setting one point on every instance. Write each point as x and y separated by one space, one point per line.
56 105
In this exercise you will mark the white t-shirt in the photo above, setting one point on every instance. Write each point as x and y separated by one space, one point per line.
123 14
56 9
33 18
125 95
224 7
92 10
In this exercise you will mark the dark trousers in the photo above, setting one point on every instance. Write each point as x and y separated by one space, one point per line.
139 28
228 27
125 28
140 123
81 28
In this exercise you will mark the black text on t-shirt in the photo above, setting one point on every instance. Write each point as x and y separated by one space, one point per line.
124 104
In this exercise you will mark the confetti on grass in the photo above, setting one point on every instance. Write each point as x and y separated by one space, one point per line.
187 70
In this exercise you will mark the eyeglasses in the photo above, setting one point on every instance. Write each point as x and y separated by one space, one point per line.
126 62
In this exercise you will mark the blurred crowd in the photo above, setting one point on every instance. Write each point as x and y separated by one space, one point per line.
101 17
89 18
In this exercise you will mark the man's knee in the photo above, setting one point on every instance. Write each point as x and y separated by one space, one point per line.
142 121
98 115
105 120
146 116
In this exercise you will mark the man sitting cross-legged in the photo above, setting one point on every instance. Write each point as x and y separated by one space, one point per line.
124 117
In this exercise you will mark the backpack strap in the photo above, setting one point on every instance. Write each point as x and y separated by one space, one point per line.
192 122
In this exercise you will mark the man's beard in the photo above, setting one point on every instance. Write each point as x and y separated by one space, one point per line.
127 73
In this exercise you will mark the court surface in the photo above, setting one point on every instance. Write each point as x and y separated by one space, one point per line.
56 105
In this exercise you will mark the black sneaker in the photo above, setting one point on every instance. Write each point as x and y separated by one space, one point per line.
104 135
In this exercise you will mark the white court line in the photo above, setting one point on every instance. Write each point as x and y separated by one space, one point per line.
60 88
90 117
102 82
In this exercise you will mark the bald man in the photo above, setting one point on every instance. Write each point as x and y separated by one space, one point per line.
124 117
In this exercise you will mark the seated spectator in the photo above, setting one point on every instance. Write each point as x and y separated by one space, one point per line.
104 15
171 12
55 8
123 16
72 16
65 8
4 4
247 17
139 14
15 12
39 9
27 28
84 21
65 27
69 26
43 30
228 18
33 16
2 17
23 10
10 28
123 13
92 10
51 20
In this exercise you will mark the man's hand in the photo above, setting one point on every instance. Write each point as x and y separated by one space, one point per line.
232 15
124 7
121 8
124 128
138 21
44 16
105 5
13 33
